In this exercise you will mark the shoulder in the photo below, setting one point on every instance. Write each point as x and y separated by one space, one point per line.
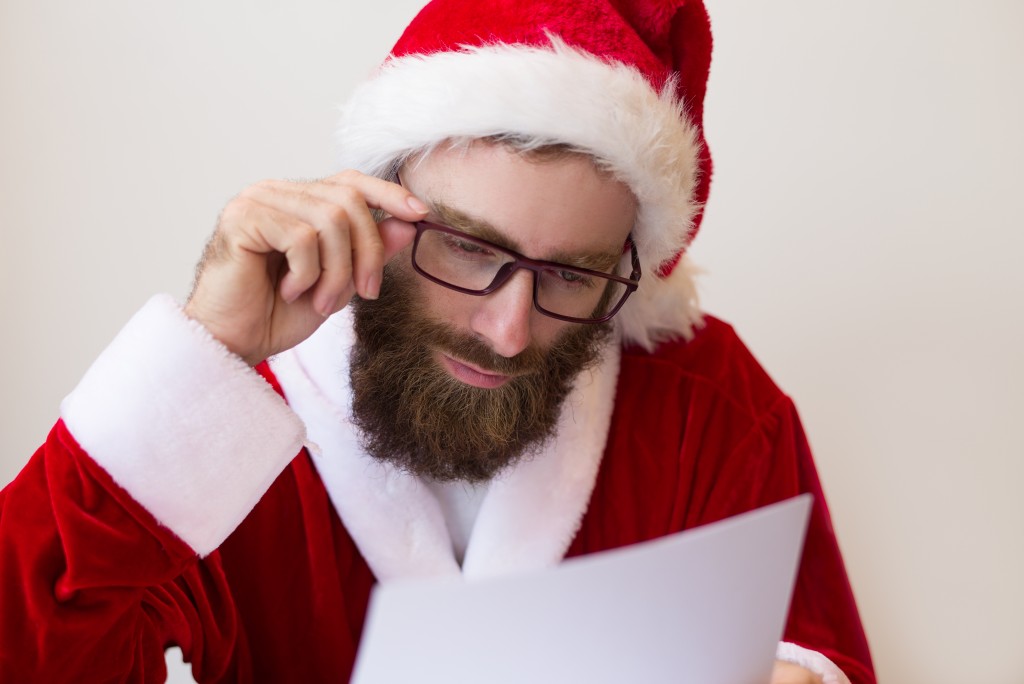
714 364
699 432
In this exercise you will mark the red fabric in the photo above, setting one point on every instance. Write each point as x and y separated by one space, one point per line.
658 37
716 437
92 589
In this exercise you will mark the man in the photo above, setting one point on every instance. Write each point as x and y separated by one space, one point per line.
523 374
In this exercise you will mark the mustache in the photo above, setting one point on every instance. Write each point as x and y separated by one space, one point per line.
465 347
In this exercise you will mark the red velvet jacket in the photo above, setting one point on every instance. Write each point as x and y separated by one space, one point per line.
93 588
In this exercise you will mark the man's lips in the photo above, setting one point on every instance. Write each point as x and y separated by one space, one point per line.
471 374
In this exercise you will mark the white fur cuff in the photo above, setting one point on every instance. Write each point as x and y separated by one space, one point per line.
811 660
186 427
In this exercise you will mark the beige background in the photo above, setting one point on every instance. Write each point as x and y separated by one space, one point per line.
863 235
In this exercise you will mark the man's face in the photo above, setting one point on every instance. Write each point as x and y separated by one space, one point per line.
456 386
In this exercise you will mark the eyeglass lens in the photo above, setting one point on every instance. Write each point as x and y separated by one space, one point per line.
471 265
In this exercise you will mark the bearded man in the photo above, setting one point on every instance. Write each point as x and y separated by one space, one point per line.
523 374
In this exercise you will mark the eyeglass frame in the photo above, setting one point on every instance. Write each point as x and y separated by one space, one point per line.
506 271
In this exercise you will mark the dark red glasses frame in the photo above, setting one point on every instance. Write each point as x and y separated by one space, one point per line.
536 265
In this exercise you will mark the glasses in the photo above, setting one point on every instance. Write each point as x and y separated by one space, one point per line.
471 265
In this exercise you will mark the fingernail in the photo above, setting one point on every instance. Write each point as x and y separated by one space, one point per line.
416 204
326 307
373 286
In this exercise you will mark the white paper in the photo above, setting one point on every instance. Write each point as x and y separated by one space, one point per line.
706 606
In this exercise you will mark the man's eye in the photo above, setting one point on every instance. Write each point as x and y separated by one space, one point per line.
574 280
460 246
472 247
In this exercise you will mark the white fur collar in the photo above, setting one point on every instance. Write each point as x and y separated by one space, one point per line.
529 516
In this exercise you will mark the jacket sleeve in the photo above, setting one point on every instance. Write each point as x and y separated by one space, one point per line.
700 434
760 459
823 617
108 536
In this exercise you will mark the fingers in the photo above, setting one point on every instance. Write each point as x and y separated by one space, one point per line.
789 673
285 255
382 194
254 229
354 251
350 247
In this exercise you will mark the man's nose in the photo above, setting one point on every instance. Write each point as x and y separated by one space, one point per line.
502 318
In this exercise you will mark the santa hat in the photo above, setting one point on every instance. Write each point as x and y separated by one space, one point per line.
623 80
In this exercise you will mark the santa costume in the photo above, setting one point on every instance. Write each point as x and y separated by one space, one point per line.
187 499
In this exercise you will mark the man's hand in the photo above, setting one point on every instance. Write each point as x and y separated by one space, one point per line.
788 673
286 255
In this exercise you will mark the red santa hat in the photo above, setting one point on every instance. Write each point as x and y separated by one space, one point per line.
622 80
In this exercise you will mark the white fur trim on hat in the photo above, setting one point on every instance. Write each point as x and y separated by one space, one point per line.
555 94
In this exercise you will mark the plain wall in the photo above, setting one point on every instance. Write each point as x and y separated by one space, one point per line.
863 235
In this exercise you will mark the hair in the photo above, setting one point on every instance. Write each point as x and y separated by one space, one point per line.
533 149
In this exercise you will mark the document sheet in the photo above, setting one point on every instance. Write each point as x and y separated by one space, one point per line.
705 606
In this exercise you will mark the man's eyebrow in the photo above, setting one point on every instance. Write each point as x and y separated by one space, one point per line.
604 262
459 220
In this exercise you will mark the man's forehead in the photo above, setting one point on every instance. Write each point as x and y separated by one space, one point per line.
595 256
557 207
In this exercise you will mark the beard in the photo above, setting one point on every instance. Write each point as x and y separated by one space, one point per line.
412 414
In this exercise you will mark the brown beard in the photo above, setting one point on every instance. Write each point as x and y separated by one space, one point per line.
414 415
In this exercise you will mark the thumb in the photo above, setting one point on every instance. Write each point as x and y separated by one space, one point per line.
396 235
